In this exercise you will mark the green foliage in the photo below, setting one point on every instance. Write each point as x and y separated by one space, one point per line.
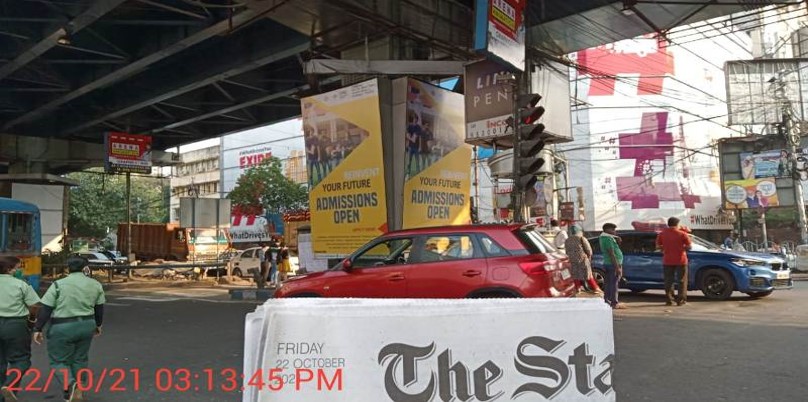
98 204
265 187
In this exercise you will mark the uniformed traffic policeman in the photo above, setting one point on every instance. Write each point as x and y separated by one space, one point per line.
17 300
75 307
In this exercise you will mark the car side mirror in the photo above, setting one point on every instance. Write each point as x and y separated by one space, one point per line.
347 265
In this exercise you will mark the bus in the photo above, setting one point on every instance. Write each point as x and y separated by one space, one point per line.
21 236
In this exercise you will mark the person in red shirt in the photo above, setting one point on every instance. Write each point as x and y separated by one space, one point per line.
674 242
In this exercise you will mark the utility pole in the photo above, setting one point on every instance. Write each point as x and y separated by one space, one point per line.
791 130
129 217
476 185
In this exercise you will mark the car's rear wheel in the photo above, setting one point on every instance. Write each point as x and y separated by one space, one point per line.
717 284
758 295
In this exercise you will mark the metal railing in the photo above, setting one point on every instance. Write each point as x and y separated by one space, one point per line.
786 247
54 270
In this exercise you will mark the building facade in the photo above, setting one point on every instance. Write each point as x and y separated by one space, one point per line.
198 175
648 113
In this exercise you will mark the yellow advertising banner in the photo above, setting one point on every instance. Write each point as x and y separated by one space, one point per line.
751 193
438 161
343 136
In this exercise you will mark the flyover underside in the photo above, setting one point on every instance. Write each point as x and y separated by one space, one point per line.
186 70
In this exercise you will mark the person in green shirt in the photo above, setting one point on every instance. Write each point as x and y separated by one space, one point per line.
612 264
17 301
74 305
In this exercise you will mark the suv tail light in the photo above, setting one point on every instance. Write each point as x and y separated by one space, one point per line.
537 265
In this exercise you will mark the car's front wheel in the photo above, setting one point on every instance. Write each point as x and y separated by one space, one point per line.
237 272
758 295
717 284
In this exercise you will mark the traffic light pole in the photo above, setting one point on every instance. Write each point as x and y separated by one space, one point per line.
517 195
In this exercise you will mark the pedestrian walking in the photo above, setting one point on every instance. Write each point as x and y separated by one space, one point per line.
284 263
263 265
612 264
729 241
580 254
274 252
74 306
17 304
674 243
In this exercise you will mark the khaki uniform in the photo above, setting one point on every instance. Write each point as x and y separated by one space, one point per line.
15 335
72 328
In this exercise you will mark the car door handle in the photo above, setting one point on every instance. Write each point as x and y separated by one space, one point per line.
396 277
471 273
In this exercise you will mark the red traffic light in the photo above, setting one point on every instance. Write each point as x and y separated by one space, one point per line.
528 111
531 115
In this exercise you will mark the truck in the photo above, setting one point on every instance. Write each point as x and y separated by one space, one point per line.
292 222
170 242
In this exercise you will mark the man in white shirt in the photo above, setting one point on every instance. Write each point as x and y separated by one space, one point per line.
560 235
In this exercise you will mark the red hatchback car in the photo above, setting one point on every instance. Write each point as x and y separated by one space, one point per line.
445 262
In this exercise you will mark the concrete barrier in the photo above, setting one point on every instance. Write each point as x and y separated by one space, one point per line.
251 294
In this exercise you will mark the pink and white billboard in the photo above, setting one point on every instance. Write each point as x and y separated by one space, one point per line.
645 134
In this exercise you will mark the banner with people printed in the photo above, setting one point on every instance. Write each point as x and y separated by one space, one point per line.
770 163
437 164
751 193
343 137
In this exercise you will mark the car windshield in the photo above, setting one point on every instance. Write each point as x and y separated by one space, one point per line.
700 244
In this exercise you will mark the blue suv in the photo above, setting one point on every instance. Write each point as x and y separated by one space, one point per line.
713 270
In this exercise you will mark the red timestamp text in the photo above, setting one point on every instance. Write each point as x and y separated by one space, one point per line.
177 380
87 380
278 379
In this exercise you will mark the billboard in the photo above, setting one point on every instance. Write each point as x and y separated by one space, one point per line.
751 193
642 149
647 58
204 212
437 176
742 159
243 150
488 104
500 30
255 229
343 137
128 153
753 87
772 163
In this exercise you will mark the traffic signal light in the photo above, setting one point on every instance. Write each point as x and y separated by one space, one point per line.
531 141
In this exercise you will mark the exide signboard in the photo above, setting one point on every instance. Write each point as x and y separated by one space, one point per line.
253 156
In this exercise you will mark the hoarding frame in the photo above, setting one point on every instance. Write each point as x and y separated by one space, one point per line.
127 153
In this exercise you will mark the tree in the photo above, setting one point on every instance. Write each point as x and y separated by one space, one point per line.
98 203
264 187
